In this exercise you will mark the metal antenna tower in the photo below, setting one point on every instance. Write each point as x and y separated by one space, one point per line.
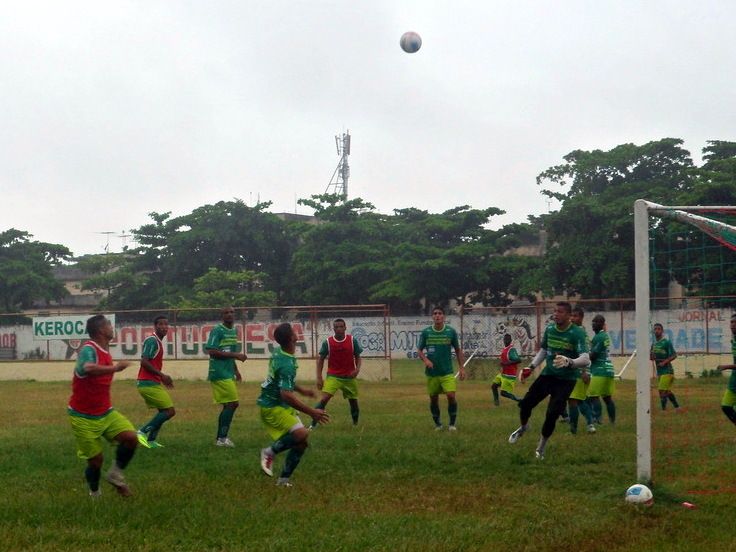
339 182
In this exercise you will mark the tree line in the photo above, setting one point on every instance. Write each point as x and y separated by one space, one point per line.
232 253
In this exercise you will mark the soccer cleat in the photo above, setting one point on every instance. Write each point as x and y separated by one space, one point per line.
155 444
451 428
266 462
516 435
95 494
438 427
591 428
115 477
496 402
284 482
143 439
539 454
224 442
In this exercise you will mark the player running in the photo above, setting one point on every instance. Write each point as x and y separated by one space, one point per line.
278 405
506 380
439 340
91 412
342 352
151 383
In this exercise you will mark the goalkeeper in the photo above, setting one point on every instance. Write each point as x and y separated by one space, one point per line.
564 351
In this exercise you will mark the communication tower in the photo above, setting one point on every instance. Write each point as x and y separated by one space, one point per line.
339 182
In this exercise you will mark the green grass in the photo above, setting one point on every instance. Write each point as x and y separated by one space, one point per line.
392 483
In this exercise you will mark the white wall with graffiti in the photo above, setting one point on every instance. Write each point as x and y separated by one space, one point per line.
691 331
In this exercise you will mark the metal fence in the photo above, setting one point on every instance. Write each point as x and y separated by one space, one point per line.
694 325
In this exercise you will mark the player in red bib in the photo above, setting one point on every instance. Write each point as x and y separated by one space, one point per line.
152 382
342 352
506 380
91 412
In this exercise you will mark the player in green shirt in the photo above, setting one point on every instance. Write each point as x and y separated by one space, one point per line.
564 351
439 340
729 396
602 380
663 353
576 403
223 348
278 405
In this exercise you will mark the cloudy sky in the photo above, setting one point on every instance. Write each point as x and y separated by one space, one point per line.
111 110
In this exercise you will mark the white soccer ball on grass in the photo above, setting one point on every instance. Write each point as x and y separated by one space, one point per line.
639 494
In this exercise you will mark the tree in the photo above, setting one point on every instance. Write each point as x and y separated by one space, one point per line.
174 252
591 237
26 270
222 288
339 259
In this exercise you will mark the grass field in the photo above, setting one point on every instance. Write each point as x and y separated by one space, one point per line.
392 483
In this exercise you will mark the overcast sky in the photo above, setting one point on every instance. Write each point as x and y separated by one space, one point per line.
111 110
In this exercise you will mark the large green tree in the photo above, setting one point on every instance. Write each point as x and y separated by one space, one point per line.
590 238
26 270
173 253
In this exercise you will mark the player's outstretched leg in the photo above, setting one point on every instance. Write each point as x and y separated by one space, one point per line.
510 396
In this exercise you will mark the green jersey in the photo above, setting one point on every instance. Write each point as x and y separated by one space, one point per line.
281 376
439 345
223 339
661 350
732 378
570 342
600 363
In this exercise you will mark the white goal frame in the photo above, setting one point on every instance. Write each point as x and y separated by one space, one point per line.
642 211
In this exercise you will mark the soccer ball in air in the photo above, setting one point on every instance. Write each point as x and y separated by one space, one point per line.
410 42
639 494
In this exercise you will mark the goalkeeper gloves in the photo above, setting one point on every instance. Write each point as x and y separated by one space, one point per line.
561 362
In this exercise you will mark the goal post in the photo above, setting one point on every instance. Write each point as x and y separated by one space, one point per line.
643 394
722 233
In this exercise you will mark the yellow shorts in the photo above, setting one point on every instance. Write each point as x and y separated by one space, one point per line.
601 386
437 385
665 382
580 391
729 398
349 387
224 391
156 396
89 432
507 384
280 420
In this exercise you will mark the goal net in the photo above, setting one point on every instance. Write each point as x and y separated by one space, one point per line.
685 267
